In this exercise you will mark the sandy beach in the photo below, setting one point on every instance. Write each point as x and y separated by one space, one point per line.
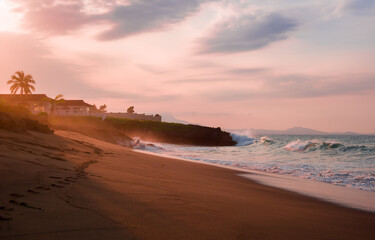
70 186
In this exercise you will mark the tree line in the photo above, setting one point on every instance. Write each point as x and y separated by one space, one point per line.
25 84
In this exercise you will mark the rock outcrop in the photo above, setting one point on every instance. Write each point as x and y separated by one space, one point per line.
126 129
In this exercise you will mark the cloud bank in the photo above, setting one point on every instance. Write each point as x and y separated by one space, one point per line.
54 17
147 15
360 7
293 86
247 33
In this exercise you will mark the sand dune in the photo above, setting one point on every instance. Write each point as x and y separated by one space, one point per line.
69 186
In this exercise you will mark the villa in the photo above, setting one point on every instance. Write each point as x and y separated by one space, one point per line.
34 102
74 107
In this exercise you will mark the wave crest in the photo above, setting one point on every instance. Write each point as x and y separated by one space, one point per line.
266 140
242 140
137 143
299 145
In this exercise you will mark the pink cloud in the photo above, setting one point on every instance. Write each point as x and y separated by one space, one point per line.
247 33
55 19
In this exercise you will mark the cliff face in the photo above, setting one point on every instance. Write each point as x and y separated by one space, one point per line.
146 130
188 134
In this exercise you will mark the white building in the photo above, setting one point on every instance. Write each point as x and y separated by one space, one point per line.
73 107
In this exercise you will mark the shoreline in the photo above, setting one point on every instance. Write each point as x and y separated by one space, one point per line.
340 195
76 187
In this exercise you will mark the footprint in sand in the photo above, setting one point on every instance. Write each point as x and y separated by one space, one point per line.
70 179
65 183
32 191
16 195
24 204
55 177
94 175
55 185
43 188
5 209
5 218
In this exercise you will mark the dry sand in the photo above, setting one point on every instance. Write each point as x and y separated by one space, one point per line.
69 186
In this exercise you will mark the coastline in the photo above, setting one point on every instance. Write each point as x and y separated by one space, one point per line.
347 197
110 192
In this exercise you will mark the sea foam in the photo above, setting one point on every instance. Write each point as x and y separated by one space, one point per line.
242 140
341 160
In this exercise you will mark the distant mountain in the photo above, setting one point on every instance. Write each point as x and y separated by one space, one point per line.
303 131
289 131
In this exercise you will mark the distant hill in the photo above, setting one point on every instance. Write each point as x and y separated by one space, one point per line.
289 131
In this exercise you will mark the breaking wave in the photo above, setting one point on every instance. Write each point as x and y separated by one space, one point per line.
342 160
242 140
140 145
299 145
266 140
312 145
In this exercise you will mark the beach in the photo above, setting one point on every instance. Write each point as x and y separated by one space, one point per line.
70 186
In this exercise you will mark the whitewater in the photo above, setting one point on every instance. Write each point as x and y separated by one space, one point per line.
340 160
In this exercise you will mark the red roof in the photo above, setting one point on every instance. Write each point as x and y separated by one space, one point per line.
75 103
39 98
23 97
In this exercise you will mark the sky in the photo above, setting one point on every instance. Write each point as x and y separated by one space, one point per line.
234 64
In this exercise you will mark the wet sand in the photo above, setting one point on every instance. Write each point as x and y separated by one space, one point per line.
69 186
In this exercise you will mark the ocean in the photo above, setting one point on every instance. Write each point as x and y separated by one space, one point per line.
340 160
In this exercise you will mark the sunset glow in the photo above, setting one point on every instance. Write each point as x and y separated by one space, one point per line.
262 64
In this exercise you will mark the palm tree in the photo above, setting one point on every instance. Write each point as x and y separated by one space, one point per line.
130 109
21 82
54 101
103 108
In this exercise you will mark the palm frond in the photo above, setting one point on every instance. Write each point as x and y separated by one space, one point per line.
14 91
29 80
21 74
28 77
11 81
60 100
59 97
14 86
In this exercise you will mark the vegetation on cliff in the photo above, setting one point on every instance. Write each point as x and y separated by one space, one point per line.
19 119
121 128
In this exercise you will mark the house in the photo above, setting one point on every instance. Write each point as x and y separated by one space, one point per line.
74 107
34 102
135 116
